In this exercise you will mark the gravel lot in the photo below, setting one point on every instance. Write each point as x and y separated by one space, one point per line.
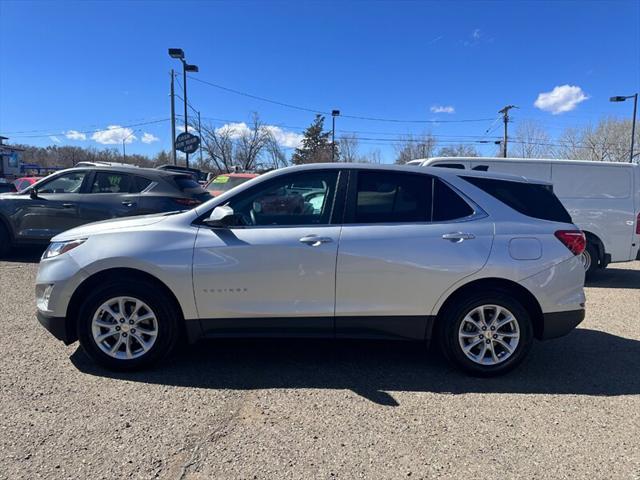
247 409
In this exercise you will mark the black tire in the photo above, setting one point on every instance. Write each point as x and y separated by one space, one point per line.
5 241
452 318
592 254
166 314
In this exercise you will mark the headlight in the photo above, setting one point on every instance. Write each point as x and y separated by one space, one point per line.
58 248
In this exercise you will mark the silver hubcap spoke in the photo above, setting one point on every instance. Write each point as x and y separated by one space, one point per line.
489 334
124 328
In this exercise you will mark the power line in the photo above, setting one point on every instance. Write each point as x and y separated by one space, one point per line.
94 130
322 112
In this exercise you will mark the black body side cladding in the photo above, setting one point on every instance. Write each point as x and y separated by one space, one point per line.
559 324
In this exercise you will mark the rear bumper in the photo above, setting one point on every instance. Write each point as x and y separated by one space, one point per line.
558 324
59 327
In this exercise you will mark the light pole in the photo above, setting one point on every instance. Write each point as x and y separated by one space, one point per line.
621 98
179 54
334 114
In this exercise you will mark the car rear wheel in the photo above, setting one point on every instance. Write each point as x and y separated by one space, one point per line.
488 334
127 325
590 259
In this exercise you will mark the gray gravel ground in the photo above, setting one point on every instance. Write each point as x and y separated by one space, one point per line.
247 409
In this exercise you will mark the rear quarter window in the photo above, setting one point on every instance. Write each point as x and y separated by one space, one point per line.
531 199
190 187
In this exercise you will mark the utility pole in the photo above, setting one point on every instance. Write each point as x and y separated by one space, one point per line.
173 121
505 119
186 121
633 125
200 134
334 114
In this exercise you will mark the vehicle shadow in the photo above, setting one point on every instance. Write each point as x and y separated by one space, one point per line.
586 362
615 278
24 254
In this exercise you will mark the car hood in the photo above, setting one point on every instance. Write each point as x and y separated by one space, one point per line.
121 224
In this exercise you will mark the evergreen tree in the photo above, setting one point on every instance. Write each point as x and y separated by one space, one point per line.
316 145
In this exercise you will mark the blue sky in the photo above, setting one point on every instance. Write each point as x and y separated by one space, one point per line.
84 66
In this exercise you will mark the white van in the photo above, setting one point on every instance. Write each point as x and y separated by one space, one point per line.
603 199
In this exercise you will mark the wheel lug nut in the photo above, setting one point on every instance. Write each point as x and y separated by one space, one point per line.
481 336
122 320
130 322
495 336
486 341
484 328
493 328
133 330
117 329
124 335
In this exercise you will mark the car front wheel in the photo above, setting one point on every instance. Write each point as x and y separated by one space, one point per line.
487 335
126 325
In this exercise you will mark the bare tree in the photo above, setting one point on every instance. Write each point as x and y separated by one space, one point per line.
348 147
460 150
240 146
609 140
530 140
410 147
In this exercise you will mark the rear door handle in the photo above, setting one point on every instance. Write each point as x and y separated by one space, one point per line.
129 204
457 237
315 240
68 205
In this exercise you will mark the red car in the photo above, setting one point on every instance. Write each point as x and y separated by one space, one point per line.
24 182
227 181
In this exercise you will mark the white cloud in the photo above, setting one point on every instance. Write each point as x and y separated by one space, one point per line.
114 134
55 139
149 138
75 135
561 99
476 34
442 109
282 137
234 130
180 129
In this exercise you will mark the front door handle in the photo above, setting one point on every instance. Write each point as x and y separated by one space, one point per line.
68 205
129 204
315 240
457 237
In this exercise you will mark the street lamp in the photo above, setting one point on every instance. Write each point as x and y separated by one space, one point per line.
334 114
621 98
178 54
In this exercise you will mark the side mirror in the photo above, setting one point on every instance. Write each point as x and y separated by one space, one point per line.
33 193
221 217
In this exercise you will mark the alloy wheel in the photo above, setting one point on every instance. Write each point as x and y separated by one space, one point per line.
489 334
124 328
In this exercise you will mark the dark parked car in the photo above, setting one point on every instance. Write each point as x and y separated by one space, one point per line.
76 196
7 186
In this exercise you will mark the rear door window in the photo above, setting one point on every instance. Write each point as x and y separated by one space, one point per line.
110 182
531 199
139 184
386 197
447 204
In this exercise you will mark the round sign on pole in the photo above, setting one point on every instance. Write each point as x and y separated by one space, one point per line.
187 142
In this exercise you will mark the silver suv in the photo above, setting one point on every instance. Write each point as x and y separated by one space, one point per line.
479 263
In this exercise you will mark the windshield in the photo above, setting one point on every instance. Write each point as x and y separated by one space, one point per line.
222 183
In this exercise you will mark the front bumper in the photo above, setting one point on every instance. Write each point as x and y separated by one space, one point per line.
59 327
558 324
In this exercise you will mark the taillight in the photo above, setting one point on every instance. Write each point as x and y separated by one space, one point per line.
187 202
574 240
638 225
